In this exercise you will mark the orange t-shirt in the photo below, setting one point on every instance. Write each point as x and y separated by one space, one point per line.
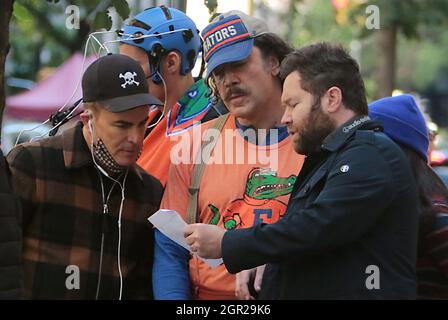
184 115
254 188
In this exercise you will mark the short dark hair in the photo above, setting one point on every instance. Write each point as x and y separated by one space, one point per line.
270 45
322 66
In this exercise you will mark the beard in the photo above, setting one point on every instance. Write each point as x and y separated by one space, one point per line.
315 129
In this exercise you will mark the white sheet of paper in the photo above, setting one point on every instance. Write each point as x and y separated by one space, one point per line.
171 224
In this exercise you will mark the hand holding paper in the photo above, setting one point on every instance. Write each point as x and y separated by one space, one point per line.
204 239
170 223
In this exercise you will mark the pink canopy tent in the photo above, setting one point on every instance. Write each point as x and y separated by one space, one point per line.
50 94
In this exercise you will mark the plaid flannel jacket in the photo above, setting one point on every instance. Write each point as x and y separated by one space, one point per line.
63 222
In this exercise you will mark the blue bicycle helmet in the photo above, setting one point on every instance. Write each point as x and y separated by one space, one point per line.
169 29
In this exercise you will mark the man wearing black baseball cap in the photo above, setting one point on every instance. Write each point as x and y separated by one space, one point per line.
85 201
115 87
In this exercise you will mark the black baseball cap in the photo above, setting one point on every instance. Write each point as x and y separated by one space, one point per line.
118 83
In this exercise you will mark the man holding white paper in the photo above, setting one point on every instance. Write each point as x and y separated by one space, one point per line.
351 227
171 224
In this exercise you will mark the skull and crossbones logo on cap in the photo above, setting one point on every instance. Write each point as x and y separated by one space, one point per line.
128 79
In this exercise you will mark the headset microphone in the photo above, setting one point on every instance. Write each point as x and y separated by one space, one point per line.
60 117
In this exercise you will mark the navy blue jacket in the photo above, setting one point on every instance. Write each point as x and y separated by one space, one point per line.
352 215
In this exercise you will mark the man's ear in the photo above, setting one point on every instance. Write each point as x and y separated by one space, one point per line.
274 66
333 99
172 62
86 116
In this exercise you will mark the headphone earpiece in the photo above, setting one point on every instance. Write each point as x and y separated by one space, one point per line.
90 126
155 57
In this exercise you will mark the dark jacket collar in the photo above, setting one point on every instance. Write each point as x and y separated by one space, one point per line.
338 137
74 147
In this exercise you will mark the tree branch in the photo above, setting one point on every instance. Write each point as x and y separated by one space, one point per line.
5 17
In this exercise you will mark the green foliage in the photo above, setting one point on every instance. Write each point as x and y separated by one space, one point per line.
315 21
408 15
23 19
38 29
122 8
422 41
419 61
102 20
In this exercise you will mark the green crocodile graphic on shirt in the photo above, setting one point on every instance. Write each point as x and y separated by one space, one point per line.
266 185
262 187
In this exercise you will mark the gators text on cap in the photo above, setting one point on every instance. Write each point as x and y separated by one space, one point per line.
229 38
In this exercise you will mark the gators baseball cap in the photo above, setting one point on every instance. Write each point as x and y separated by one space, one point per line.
230 38
118 83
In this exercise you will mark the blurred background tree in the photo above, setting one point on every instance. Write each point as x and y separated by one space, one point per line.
5 16
39 36
403 25
36 32
408 51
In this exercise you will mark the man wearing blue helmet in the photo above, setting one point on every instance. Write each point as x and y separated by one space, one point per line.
166 43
